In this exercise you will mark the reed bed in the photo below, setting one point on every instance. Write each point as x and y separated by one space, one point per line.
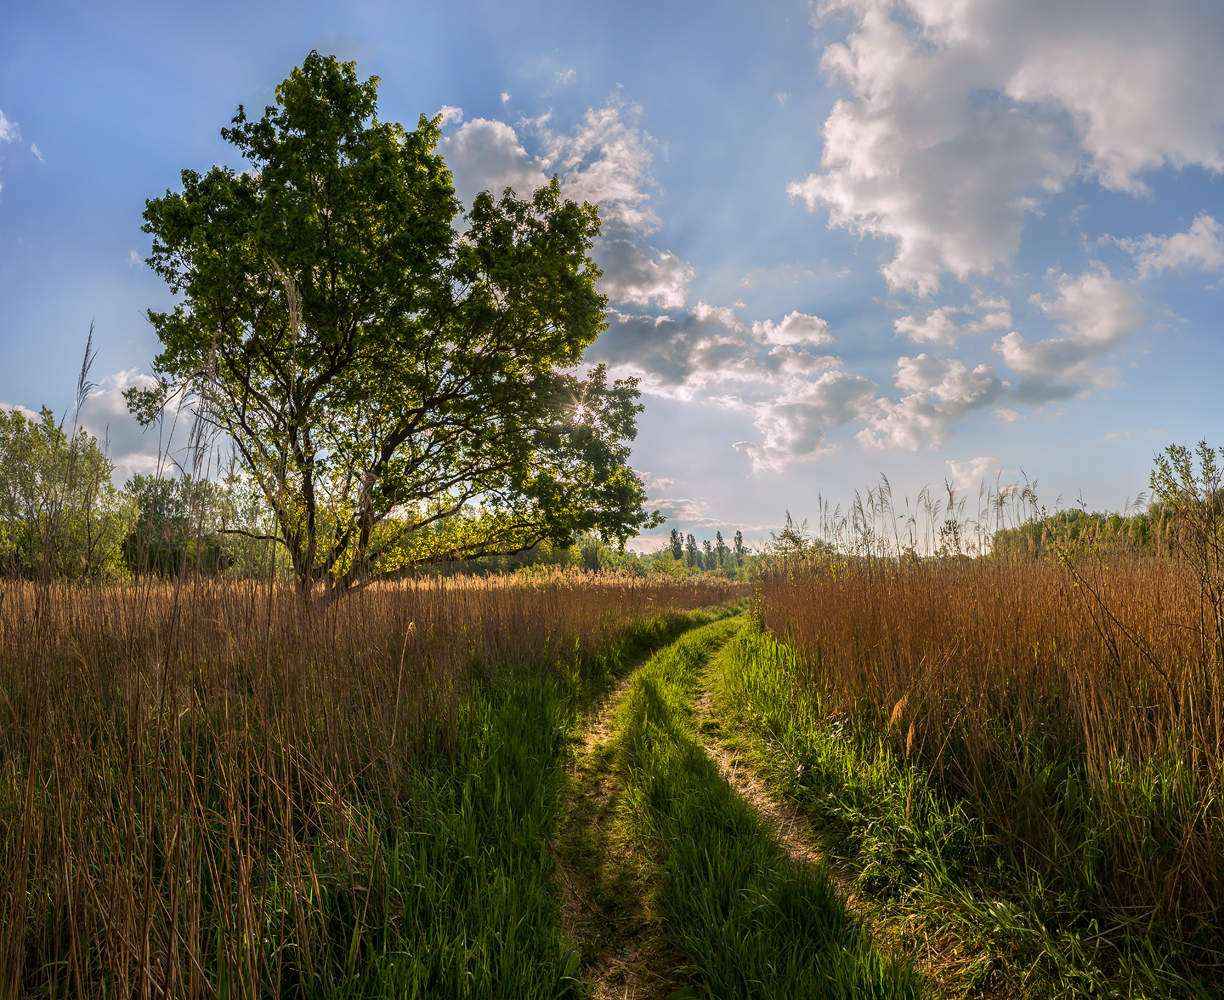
1076 715
183 766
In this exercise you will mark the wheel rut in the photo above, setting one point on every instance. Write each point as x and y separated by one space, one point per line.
938 957
604 885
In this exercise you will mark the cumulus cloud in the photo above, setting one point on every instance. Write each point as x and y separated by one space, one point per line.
450 113
1095 313
23 410
131 448
487 155
964 117
794 424
937 394
9 132
993 312
969 475
1200 247
606 160
675 355
936 327
639 275
795 328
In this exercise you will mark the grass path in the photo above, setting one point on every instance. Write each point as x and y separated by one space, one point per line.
603 890
939 959
675 884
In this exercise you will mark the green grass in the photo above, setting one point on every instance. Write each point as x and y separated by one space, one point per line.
748 920
1027 920
466 901
457 897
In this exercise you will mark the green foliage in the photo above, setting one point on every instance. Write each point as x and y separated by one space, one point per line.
1195 499
176 526
1147 531
1025 894
749 921
60 516
396 380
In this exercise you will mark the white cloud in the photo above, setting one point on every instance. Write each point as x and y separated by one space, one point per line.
1200 247
1005 415
1095 313
642 275
655 484
487 155
675 356
23 410
505 97
969 475
134 259
605 160
993 313
449 114
104 414
794 424
795 328
937 327
9 132
37 153
567 75
938 393
963 117
132 449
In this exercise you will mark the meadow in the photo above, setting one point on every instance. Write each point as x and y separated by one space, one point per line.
1020 760
204 792
1004 774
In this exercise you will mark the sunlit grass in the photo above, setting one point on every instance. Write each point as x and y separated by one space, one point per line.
205 793
988 748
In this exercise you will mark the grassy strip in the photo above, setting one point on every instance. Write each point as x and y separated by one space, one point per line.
926 855
459 900
749 921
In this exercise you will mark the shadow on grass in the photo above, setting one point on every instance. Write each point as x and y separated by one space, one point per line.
749 920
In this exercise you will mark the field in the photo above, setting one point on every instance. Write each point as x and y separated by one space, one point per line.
855 777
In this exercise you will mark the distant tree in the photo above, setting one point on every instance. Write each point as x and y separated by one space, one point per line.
792 540
721 551
741 552
1193 493
381 367
177 526
708 561
60 515
677 544
691 555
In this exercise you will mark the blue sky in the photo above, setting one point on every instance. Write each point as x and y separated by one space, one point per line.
936 240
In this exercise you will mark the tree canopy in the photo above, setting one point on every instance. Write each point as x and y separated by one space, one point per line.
402 380
60 516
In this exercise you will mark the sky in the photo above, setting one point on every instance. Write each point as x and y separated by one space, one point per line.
956 242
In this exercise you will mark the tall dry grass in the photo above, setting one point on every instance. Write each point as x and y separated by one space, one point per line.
1079 715
178 761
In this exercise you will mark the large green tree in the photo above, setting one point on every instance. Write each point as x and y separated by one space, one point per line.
401 379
